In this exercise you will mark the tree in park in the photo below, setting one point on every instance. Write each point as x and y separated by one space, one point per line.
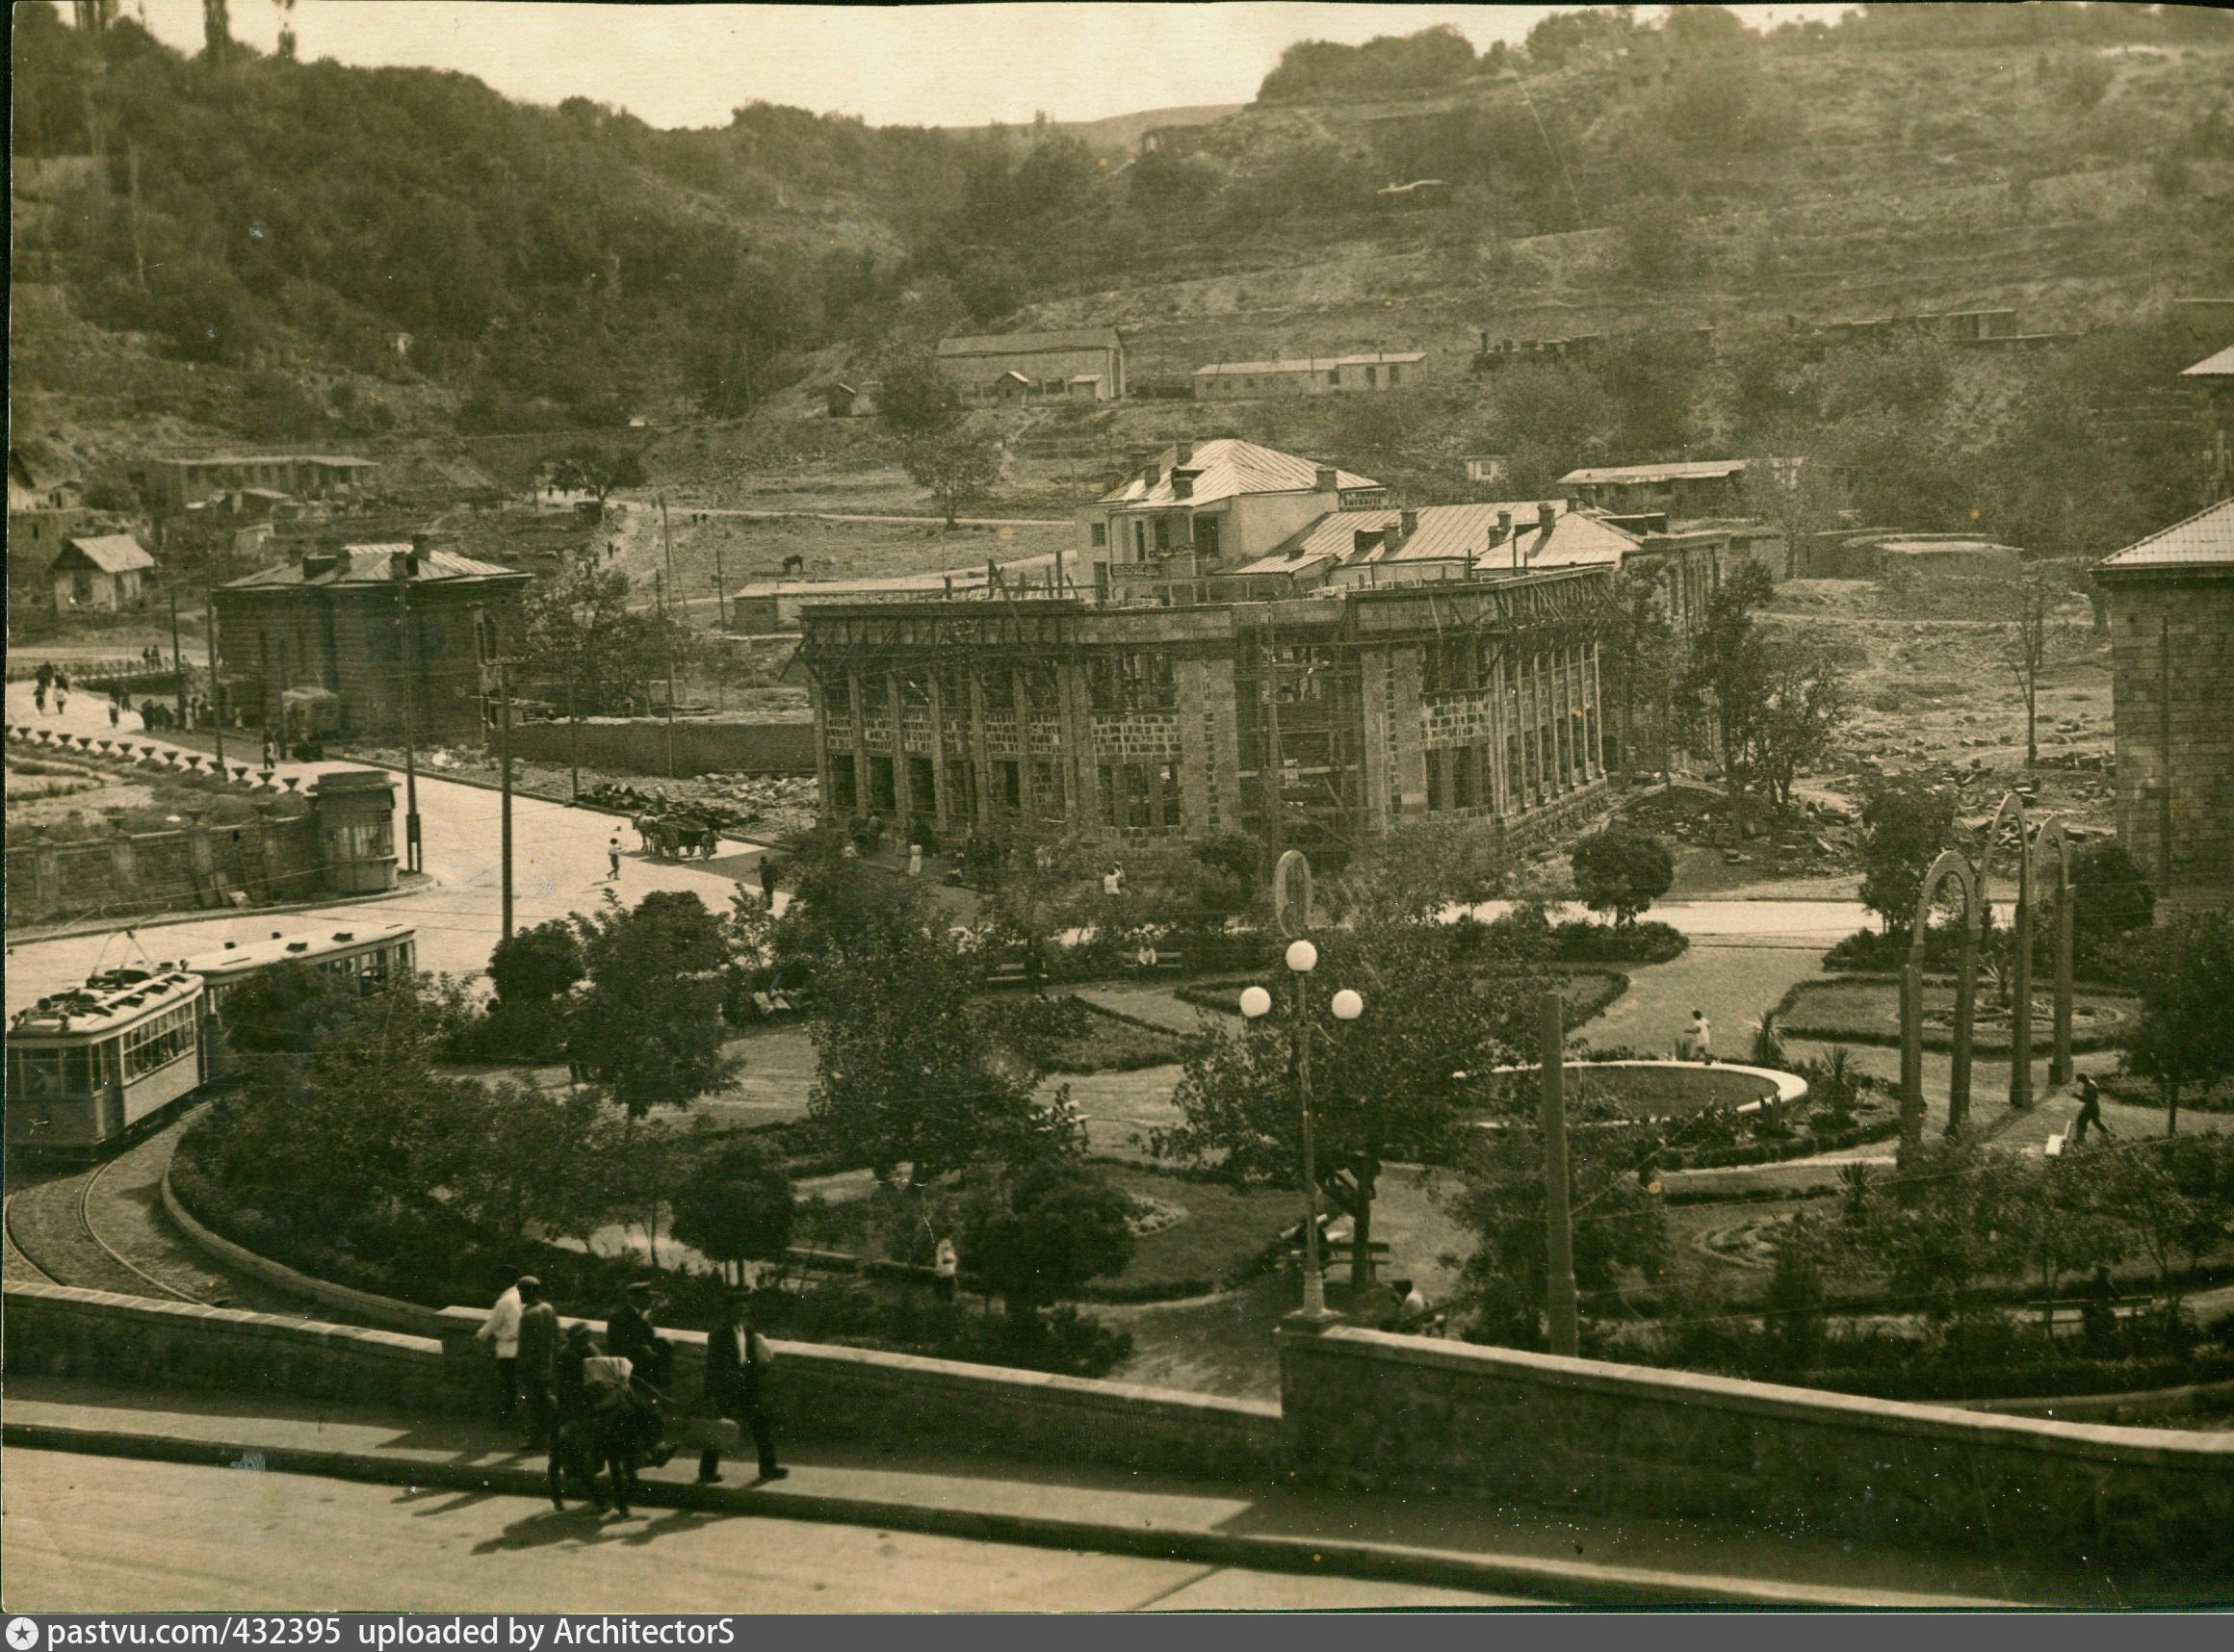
595 467
648 1024
1905 825
2110 898
1499 1203
904 1074
737 1206
1039 1233
956 466
1636 644
1621 872
1386 1085
526 1160
2183 1038
532 972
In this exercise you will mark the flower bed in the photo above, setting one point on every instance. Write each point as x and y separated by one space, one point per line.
1866 1009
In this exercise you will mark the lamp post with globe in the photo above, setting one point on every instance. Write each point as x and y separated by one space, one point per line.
1347 1006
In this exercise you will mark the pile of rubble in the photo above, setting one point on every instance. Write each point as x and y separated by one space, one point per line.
738 805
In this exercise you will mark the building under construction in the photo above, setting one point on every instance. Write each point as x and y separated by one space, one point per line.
1312 721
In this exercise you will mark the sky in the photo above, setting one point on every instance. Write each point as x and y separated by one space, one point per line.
905 64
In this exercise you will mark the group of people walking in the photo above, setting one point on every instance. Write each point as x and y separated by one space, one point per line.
50 682
561 1388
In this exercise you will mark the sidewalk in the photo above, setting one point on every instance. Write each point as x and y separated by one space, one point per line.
1586 1559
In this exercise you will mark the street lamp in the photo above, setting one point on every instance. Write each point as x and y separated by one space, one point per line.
1302 958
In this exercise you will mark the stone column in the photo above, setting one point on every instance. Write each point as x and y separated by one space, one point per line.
942 804
2020 1009
1966 1012
1911 1054
1191 684
1407 731
1028 792
982 812
1374 753
902 805
1596 718
1222 733
1500 725
2060 1060
815 701
1082 777
857 688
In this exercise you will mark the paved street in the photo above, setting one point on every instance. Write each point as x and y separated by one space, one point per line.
213 1538
558 856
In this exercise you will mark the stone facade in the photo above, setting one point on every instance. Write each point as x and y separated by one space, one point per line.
1370 1411
1354 711
2172 644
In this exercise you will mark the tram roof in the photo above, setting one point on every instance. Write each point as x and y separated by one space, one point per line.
234 958
106 1004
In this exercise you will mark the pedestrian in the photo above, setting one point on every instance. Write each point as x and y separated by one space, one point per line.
738 1359
1145 957
628 1334
39 698
539 1360
2090 1110
1701 1038
61 697
2098 1312
501 1330
946 1269
46 673
914 859
768 880
62 682
113 715
613 858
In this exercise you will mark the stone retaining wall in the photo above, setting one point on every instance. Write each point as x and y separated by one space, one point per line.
1371 1411
639 746
54 1330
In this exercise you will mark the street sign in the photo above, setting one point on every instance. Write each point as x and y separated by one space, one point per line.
1291 895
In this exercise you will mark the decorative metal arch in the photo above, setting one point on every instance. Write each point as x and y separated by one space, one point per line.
2020 1001
1951 865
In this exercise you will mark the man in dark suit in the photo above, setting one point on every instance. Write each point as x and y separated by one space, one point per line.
738 1359
539 1367
629 1334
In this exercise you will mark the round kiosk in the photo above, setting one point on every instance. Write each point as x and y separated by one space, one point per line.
356 823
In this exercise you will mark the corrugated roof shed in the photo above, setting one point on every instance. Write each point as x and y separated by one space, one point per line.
1655 472
111 552
1227 466
2204 540
1449 532
1026 343
374 565
1305 364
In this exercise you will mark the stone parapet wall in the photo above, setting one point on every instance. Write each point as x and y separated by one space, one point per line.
1371 1410
54 1330
1561 818
278 858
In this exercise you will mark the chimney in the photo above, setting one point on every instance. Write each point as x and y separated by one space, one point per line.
1148 473
1547 513
1328 479
1182 484
1184 454
1504 528
1408 523
420 545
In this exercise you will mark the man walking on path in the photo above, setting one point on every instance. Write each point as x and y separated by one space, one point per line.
629 1334
501 1330
946 1269
1701 1036
738 1359
613 858
767 881
2090 1110
538 1361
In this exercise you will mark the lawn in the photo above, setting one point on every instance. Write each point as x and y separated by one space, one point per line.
1869 1011
1112 1043
1224 1231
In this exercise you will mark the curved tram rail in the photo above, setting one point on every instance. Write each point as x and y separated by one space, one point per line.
50 1227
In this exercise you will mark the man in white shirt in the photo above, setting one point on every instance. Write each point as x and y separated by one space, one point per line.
501 1331
1701 1036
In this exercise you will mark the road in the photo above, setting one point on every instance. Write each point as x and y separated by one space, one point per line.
240 1539
558 867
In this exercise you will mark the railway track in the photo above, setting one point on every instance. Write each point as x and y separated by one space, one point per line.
105 1229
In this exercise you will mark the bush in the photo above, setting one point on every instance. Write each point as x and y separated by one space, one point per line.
1580 943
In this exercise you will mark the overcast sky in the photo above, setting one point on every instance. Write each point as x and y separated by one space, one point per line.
927 65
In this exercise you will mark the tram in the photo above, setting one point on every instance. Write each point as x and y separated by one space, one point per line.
95 1065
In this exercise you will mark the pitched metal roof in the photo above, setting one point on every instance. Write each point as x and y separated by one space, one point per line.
1027 343
2219 366
111 552
1305 364
374 565
1450 534
2205 539
1654 473
1227 466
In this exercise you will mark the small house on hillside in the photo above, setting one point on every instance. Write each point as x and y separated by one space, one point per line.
1086 364
1311 375
101 571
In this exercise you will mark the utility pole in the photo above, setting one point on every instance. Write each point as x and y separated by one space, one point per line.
412 853
1559 1236
667 640
573 738
720 631
178 654
209 632
504 781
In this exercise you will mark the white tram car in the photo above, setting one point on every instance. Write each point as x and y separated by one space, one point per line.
97 1064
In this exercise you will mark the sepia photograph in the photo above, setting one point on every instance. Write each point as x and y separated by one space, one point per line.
1087 808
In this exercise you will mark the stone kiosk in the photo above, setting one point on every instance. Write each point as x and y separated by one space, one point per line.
356 816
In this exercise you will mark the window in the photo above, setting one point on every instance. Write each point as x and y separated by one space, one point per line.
1140 541
1394 368
1101 534
1163 536
1372 377
838 697
158 1042
1207 536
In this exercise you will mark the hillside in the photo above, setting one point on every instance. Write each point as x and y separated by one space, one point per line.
285 251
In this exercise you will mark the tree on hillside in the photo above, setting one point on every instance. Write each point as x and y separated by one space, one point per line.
1774 704
1386 1085
1636 648
648 1024
956 466
595 467
1621 872
1905 824
2025 642
1789 484
1036 1236
589 649
737 1207
2183 1038
914 398
1805 703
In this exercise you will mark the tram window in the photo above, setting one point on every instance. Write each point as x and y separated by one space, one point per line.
159 1042
46 1074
